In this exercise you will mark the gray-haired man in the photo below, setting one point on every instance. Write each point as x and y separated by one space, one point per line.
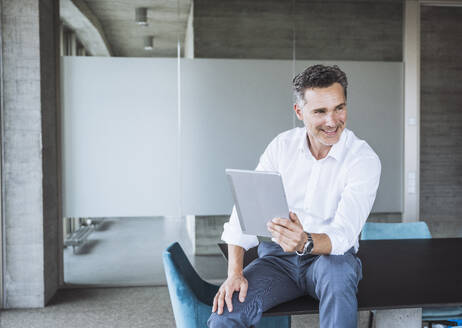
331 178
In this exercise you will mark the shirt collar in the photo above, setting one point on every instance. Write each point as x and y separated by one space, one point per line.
336 150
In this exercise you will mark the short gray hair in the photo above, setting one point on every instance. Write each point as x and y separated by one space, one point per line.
317 76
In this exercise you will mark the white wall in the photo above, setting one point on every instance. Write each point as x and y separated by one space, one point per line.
120 128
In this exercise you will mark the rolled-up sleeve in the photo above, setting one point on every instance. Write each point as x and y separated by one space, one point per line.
355 204
232 232
233 235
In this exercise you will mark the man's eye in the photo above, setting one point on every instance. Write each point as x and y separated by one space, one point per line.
340 108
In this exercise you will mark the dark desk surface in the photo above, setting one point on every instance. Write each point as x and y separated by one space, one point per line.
406 273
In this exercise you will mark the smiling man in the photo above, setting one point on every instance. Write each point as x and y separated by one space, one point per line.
330 178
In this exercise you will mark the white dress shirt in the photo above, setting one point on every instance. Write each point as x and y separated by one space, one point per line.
333 195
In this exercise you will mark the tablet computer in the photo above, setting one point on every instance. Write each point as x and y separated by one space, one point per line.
259 197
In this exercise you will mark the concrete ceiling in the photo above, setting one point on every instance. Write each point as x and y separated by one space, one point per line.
167 21
79 18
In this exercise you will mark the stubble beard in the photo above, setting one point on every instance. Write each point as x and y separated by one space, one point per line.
319 139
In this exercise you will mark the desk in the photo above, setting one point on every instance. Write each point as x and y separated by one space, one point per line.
399 275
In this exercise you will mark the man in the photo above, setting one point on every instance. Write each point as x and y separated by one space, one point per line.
330 178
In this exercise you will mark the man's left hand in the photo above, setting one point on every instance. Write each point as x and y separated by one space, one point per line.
288 233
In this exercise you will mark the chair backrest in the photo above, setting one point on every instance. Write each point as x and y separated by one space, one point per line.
402 230
191 296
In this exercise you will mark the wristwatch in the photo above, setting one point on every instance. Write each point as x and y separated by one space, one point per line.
308 246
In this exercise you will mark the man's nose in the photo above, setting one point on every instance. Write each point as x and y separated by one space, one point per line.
330 120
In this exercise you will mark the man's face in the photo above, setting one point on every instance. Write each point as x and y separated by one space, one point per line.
324 114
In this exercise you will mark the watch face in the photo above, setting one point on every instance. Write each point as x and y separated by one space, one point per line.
309 247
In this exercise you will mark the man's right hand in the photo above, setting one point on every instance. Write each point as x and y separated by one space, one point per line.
234 283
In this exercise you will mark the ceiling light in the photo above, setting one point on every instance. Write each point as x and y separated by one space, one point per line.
141 16
148 42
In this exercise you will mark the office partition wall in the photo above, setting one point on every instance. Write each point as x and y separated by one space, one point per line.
121 152
146 140
119 137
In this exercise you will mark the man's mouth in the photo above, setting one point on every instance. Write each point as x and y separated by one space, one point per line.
330 133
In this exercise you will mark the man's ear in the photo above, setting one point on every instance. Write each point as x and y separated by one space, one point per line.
298 111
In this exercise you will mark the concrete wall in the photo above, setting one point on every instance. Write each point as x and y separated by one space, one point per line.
30 153
323 29
441 120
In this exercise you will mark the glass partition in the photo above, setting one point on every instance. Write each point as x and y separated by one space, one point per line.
181 92
188 89
365 41
120 114
236 95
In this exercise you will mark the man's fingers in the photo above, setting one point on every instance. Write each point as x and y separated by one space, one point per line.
294 218
277 237
215 303
282 221
287 243
243 292
277 230
221 302
228 300
285 223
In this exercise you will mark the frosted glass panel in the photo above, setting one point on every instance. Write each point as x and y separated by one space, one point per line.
231 109
375 114
120 129
119 136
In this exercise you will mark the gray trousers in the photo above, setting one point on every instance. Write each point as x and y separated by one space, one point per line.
277 277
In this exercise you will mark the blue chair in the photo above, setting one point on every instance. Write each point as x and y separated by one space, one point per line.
411 230
405 230
192 297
